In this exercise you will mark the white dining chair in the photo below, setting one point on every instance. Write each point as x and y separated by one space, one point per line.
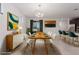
28 41
30 34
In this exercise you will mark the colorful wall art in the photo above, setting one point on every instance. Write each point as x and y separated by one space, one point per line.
50 23
12 21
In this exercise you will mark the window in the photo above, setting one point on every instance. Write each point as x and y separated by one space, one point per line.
0 9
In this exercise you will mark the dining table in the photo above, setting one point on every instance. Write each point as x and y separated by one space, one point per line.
41 36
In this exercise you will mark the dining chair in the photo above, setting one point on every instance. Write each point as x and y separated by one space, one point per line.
30 34
28 41
49 33
49 42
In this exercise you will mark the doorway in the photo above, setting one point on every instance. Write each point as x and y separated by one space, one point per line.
36 26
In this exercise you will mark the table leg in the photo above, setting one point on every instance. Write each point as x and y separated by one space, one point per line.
46 48
33 49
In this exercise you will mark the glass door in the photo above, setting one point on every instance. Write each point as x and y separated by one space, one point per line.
36 26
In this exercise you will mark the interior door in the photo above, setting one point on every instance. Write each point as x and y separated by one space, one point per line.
36 26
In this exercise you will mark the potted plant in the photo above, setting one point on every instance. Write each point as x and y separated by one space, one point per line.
28 30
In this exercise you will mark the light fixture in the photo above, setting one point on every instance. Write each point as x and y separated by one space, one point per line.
38 12
19 29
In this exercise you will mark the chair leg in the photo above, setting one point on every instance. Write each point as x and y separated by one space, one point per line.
76 41
66 38
71 40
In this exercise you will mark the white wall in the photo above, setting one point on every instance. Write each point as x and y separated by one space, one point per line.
6 7
61 24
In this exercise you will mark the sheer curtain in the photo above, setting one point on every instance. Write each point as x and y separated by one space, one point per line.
1 8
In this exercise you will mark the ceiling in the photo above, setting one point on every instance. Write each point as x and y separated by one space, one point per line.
50 10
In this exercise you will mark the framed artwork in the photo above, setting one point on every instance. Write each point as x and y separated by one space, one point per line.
50 23
13 21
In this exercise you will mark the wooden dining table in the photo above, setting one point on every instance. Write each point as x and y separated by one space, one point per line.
41 36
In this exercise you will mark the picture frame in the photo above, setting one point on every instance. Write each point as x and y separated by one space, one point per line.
12 21
50 23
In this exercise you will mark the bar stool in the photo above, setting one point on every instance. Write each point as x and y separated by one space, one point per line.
60 32
65 35
74 37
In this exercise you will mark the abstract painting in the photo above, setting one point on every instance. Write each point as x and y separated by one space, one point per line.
50 23
12 21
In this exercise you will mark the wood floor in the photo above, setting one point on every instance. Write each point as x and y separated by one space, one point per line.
39 50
